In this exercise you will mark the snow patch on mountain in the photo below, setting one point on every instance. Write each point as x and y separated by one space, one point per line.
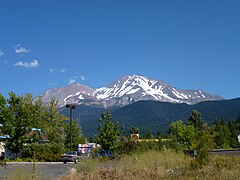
179 94
137 88
124 91
132 91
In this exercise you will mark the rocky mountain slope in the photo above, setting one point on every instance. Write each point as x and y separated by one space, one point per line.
126 90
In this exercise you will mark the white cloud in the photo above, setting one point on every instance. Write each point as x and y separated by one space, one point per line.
60 70
82 78
19 49
1 53
75 78
72 80
33 64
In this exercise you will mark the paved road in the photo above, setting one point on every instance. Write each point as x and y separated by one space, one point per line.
232 152
44 170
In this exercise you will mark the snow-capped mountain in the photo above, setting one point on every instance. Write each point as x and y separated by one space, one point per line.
127 90
72 94
134 88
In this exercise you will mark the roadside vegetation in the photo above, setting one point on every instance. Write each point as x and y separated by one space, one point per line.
165 164
39 133
36 130
165 158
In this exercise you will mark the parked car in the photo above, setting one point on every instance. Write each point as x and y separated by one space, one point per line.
71 156
104 153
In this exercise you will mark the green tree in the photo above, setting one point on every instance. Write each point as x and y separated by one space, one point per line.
134 130
19 114
52 123
149 135
190 136
234 134
17 118
109 133
3 103
222 134
47 118
196 120
183 136
234 127
77 135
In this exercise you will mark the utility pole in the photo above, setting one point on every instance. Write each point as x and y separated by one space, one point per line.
71 107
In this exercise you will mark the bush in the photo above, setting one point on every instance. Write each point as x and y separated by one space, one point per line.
147 165
201 159
129 146
43 152
166 164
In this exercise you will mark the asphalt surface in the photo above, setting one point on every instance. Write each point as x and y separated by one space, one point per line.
44 170
229 152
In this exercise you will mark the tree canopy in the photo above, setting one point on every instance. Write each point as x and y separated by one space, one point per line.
197 135
19 114
109 133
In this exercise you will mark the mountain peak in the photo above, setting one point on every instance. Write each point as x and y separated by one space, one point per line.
132 88
126 90
71 93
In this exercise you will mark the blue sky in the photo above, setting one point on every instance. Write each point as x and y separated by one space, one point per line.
189 44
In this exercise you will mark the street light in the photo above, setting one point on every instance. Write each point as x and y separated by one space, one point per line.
71 107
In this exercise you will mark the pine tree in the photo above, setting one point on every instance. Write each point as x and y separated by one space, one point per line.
234 134
196 120
109 133
222 134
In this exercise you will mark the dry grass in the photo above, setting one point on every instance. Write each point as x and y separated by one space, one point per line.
219 167
24 174
149 165
21 174
157 165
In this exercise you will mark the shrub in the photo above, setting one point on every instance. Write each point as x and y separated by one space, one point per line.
43 152
166 164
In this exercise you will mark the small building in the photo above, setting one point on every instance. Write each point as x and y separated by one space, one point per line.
3 139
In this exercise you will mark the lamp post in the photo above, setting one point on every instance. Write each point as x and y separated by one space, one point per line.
71 107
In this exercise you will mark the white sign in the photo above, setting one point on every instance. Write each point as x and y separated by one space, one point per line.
238 138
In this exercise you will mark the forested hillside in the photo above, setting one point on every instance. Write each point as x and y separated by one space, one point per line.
155 116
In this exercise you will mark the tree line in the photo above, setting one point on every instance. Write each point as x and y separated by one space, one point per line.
195 134
20 115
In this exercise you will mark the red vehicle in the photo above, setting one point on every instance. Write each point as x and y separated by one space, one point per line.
71 156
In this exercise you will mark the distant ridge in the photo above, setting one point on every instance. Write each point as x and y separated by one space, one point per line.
154 116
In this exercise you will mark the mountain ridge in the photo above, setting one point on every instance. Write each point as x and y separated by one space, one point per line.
154 116
126 90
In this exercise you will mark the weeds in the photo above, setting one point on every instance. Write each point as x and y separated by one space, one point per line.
153 165
19 174
148 165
